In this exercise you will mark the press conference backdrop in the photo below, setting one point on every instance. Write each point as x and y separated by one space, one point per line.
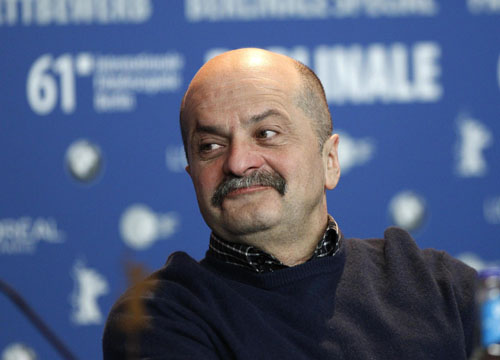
91 159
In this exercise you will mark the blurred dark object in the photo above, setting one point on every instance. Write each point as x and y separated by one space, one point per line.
37 321
488 310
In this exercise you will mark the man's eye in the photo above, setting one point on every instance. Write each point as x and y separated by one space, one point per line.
266 134
209 147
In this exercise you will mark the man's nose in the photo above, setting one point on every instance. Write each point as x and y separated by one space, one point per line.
242 158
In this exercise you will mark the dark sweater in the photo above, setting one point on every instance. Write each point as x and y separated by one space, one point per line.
375 299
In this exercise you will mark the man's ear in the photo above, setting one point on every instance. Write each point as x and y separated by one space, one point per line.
331 158
188 170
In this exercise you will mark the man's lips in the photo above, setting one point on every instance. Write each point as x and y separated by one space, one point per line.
247 190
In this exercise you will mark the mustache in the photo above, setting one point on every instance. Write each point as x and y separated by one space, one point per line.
257 178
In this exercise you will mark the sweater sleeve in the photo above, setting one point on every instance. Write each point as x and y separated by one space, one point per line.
154 335
457 284
463 279
450 282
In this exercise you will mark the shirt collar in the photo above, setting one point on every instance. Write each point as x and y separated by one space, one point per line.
259 261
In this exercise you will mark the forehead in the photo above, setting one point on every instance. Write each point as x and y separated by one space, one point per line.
222 97
240 96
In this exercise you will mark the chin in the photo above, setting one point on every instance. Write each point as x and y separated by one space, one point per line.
242 223
241 228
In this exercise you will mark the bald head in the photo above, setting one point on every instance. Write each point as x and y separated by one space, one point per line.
306 89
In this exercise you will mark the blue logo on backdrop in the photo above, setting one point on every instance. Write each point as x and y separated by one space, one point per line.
484 6
473 138
491 210
22 235
377 73
89 286
476 262
18 351
254 10
354 152
74 12
118 79
408 210
84 160
140 227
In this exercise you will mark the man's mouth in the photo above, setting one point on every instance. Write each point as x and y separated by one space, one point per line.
247 190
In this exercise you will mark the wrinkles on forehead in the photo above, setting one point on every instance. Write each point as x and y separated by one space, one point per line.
234 93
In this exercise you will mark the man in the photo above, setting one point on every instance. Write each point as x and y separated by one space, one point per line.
279 280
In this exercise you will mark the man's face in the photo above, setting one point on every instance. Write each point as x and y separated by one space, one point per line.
245 126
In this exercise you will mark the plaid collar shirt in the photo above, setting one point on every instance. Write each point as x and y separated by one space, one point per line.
259 261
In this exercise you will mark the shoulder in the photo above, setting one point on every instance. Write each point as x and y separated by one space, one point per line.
176 278
159 286
428 286
398 256
396 241
159 304
398 248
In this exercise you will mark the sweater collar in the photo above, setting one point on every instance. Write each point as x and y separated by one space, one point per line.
259 261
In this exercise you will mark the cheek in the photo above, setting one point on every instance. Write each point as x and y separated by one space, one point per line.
303 169
287 164
207 180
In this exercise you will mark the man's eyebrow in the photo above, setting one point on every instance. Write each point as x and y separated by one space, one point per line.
259 117
210 129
